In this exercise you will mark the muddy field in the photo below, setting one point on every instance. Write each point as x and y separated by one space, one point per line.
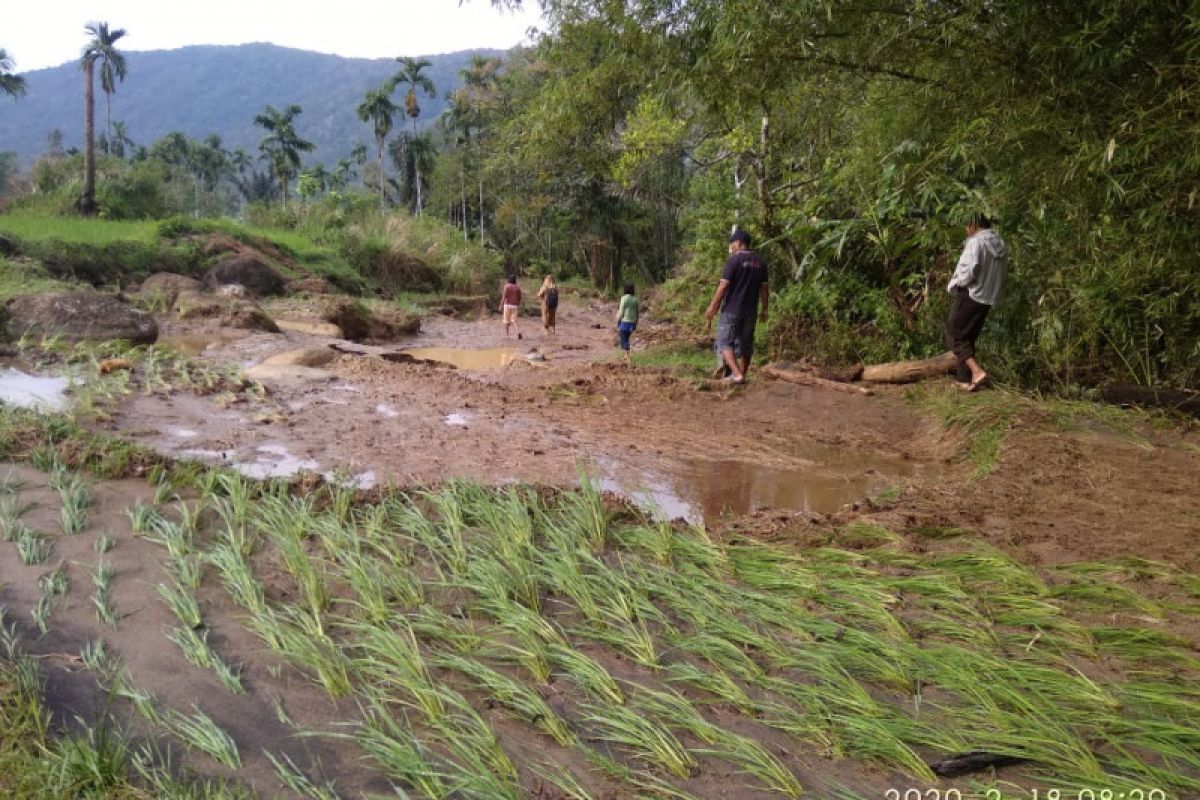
802 468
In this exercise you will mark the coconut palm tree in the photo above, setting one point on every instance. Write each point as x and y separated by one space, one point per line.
10 84
410 73
377 107
282 146
100 48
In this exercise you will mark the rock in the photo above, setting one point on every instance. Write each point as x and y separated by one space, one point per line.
226 312
359 323
310 286
232 290
8 247
79 316
168 285
311 328
259 278
268 373
304 357
535 357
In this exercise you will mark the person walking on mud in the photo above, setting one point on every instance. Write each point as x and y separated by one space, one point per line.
510 305
627 318
548 294
743 286
975 284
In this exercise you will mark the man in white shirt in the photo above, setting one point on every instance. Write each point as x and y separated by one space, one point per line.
976 284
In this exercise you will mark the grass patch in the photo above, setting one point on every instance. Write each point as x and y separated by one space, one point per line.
982 418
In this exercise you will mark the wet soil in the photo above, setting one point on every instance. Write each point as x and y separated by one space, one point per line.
464 401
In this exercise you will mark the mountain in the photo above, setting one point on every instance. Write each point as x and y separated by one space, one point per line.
219 89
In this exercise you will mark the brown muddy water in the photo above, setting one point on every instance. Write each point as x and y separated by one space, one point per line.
702 491
465 358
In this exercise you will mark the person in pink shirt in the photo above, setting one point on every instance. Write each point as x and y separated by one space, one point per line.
510 305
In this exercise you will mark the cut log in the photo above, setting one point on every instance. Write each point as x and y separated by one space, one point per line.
792 373
1125 394
909 371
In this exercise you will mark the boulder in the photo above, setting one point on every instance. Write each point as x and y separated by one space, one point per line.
226 312
359 323
168 285
304 357
79 316
259 278
310 327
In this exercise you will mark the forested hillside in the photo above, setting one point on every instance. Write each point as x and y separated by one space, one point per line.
218 89
854 139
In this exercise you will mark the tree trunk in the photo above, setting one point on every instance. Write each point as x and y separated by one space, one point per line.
909 371
381 181
87 200
792 373
481 210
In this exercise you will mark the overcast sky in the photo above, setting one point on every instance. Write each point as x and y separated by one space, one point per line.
46 33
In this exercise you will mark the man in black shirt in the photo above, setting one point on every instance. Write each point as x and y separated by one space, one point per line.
743 284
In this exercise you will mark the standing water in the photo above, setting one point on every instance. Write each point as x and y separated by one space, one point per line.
29 391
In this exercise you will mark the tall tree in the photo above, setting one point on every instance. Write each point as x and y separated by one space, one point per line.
10 84
100 48
410 73
282 146
377 107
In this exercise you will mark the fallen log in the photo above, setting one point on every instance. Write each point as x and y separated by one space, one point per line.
793 373
1124 394
909 371
974 761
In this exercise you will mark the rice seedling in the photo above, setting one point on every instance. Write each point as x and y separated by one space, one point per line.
193 643
33 547
723 688
142 518
564 781
171 535
649 742
233 507
310 579
76 499
188 570
41 613
512 694
104 543
294 779
11 510
157 774
294 634
433 625
237 577
102 596
583 514
164 492
587 673
400 753
200 732
1107 596
391 657
45 459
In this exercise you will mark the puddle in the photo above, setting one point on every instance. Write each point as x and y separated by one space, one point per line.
275 461
30 391
705 490
455 418
487 358
182 433
386 410
363 480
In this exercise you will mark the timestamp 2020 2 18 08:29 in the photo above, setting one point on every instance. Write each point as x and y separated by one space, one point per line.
1085 793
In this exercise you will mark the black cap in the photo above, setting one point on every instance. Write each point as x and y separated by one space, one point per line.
740 236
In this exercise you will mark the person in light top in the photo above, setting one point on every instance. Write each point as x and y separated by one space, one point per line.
976 285
627 318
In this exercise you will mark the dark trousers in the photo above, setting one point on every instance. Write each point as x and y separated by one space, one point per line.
963 328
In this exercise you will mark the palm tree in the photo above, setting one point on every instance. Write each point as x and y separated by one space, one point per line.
377 107
282 146
410 73
99 48
10 84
